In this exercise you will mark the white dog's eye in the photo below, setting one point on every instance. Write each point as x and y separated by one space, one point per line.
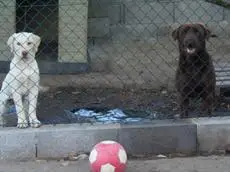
18 43
29 43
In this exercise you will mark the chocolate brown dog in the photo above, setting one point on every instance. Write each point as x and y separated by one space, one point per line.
195 75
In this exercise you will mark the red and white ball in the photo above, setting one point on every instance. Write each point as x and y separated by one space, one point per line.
108 156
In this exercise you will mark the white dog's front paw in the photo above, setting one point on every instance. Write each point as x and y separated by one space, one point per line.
22 125
35 123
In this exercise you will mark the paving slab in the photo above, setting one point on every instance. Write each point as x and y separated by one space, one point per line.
213 134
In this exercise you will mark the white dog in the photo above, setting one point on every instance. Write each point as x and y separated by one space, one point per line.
22 81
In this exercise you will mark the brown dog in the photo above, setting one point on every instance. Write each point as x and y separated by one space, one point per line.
195 75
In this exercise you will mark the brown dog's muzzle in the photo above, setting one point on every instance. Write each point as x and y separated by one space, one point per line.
190 46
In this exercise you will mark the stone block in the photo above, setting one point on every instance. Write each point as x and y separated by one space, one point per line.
17 144
58 142
73 27
213 134
160 137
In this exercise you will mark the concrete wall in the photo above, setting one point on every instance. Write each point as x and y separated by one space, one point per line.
7 26
156 14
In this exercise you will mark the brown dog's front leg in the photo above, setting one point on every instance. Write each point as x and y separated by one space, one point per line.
184 105
208 102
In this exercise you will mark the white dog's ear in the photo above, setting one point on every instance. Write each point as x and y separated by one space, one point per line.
10 42
37 41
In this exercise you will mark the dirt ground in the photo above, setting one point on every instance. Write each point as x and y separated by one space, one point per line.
161 103
52 104
195 164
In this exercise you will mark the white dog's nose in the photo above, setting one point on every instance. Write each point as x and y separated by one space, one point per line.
24 53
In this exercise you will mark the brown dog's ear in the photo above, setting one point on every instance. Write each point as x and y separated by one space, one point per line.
207 32
175 34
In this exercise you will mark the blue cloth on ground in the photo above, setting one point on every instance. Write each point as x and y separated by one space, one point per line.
110 116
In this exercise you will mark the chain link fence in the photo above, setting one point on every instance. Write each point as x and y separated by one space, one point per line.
116 54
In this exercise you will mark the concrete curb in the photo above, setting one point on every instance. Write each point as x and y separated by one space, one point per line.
163 136
213 134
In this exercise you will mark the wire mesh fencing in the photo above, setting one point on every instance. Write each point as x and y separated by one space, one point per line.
126 56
